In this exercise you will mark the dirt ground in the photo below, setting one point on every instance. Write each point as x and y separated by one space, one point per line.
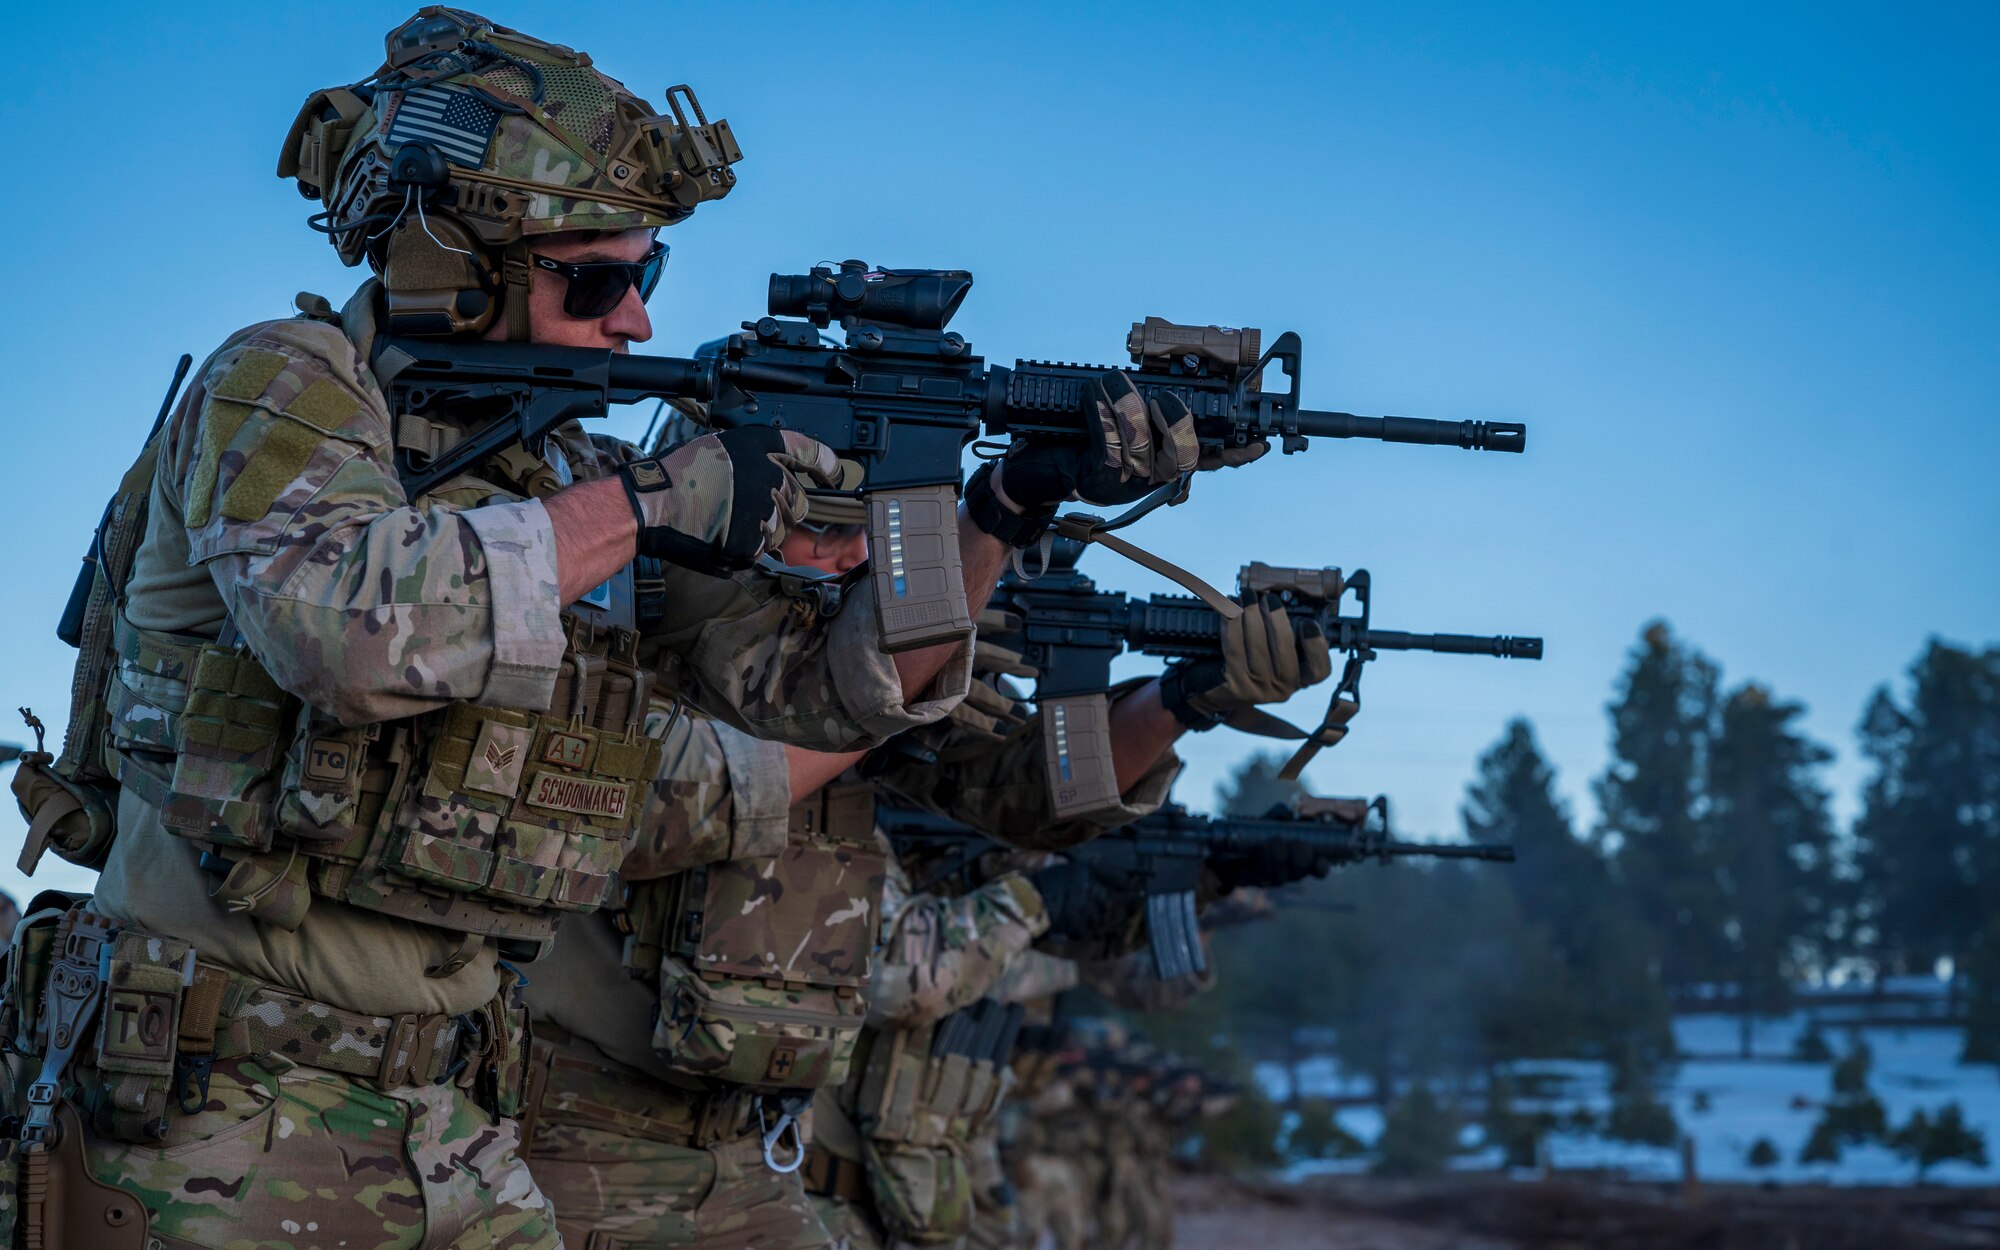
1488 1213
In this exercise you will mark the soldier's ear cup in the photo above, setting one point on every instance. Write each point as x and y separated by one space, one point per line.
436 279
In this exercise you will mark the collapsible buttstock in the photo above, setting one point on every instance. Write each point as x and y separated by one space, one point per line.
914 558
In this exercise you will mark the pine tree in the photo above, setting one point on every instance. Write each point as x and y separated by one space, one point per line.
1564 883
1419 1135
1982 1007
1772 843
1929 833
1650 800
1928 1142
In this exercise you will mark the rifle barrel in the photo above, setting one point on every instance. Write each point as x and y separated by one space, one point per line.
1449 850
1505 646
1472 435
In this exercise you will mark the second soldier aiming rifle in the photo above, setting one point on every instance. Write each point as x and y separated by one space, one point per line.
900 400
1068 632
1159 858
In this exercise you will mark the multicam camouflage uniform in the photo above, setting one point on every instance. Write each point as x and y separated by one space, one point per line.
276 505
890 1166
1062 1149
634 1151
361 1031
637 1151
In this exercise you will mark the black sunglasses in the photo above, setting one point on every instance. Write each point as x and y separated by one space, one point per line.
598 286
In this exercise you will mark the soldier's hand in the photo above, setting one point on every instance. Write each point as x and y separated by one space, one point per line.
1133 447
716 503
1264 660
1269 864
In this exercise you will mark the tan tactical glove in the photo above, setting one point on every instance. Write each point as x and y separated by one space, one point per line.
718 502
1133 447
1264 660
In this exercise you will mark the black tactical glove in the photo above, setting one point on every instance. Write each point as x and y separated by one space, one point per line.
1270 863
716 503
1264 660
1077 902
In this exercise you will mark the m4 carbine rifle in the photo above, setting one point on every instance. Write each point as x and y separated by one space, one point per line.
900 399
1158 859
1068 632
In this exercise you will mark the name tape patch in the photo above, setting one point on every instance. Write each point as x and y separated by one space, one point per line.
560 792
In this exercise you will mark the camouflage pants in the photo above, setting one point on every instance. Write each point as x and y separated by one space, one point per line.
852 1227
849 1226
284 1157
996 1211
614 1192
1055 1198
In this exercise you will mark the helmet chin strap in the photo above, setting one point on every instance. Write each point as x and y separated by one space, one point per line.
516 275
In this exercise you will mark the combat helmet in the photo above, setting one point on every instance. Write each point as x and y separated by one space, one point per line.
473 138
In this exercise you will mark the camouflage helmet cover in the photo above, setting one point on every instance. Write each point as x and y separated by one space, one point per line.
499 136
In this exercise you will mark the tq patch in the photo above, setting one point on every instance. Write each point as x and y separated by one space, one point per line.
328 759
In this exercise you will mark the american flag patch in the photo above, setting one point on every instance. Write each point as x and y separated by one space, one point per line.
455 121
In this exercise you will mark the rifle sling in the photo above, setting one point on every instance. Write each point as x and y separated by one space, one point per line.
1087 528
1345 704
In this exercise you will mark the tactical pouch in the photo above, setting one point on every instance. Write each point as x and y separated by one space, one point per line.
333 788
136 1034
74 818
532 811
764 959
271 886
922 1194
222 790
924 1093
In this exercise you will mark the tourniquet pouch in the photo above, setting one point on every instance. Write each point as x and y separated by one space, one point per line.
764 959
129 1086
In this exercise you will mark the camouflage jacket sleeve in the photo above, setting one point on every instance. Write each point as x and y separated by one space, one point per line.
940 954
720 794
279 462
744 651
1034 975
990 773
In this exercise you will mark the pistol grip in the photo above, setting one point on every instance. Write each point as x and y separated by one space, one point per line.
1076 746
919 577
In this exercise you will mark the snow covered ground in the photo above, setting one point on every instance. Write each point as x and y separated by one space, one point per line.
1768 1096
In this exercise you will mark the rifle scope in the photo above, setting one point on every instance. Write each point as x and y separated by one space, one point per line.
917 299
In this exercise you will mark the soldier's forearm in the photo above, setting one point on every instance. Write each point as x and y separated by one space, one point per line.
596 534
808 771
1142 730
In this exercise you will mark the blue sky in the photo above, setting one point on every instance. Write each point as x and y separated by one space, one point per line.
1737 270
